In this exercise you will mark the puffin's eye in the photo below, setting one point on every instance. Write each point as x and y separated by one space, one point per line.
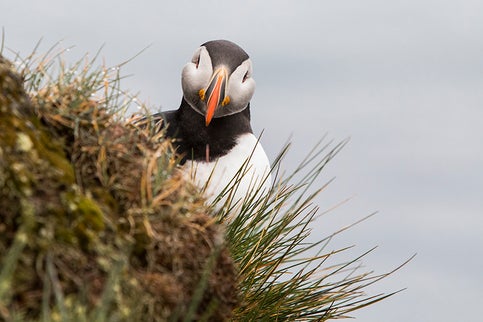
196 58
245 77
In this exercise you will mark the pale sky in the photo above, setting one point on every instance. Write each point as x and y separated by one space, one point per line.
403 79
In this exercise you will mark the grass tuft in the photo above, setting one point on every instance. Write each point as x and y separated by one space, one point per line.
283 275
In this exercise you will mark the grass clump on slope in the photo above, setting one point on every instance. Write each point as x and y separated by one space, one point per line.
95 221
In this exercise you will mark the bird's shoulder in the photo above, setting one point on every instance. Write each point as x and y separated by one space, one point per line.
166 117
165 120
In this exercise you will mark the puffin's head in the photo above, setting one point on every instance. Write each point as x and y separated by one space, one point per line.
218 80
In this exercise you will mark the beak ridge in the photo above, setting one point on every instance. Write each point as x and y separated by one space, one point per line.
215 94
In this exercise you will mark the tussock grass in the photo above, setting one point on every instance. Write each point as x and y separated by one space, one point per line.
283 275
97 222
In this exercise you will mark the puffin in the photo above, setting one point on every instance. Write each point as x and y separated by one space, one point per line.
211 128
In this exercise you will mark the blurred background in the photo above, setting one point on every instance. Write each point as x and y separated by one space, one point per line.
402 79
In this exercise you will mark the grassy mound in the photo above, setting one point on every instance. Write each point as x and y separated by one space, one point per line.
96 221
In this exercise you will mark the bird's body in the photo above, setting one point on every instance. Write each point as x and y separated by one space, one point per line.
212 125
244 170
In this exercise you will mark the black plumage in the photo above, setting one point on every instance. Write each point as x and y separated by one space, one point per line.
188 128
224 52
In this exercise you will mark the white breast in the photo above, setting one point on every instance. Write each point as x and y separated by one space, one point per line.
245 170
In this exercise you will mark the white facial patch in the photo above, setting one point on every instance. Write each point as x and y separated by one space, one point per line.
196 75
241 87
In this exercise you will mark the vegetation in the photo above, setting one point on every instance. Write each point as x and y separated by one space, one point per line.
98 223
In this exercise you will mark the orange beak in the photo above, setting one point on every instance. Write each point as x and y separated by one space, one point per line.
215 92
